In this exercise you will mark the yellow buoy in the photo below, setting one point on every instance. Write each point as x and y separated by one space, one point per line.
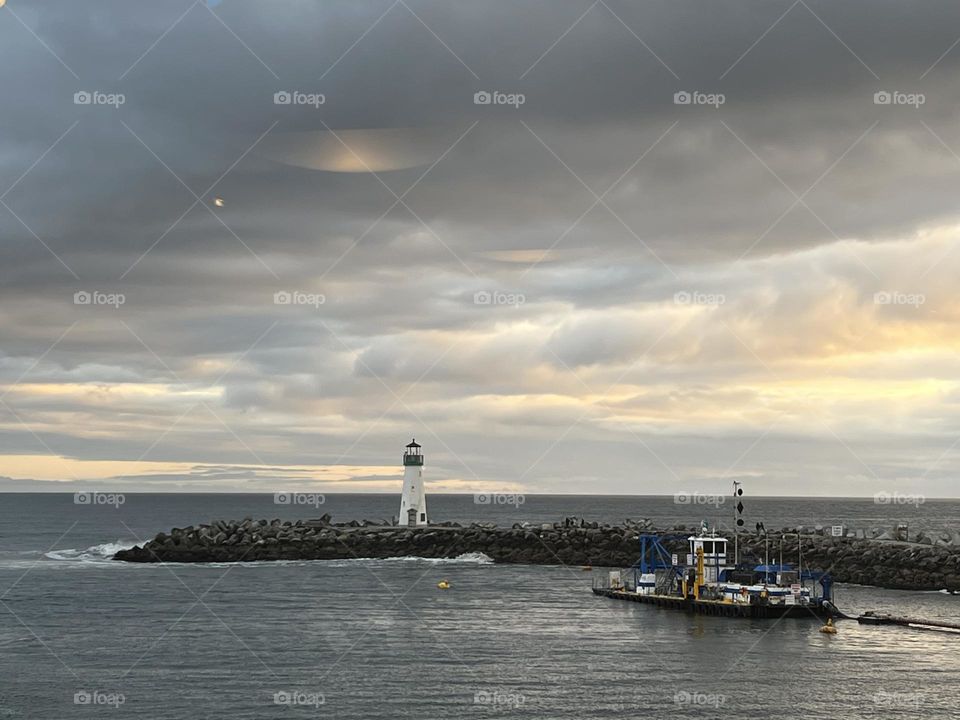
443 585
829 629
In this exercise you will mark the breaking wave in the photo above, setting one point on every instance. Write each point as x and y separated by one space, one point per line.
473 558
476 558
95 554
102 555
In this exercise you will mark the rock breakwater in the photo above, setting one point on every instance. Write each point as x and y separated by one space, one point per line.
880 562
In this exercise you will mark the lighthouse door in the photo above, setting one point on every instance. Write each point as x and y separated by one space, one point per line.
412 516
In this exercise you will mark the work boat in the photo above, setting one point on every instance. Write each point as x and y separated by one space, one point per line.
708 583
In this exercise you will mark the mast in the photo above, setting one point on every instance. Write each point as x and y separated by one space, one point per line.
737 522
799 560
780 569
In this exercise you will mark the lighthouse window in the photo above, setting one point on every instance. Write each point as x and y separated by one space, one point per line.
423 516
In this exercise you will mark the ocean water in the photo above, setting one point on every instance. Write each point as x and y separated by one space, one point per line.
83 636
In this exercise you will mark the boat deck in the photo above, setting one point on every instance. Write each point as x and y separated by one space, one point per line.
717 607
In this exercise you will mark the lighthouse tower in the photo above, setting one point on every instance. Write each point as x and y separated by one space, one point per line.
413 502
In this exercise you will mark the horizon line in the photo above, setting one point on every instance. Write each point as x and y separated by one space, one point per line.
465 494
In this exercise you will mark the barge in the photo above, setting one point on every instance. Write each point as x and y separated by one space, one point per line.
706 583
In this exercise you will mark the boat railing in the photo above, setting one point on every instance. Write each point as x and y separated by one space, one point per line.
614 580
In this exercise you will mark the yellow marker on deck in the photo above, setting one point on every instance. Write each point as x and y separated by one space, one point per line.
443 585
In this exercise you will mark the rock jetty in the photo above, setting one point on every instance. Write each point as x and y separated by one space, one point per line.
882 561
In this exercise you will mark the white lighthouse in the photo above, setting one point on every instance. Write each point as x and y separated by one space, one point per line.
413 501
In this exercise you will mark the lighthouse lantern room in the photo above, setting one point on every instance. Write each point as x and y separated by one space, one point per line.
413 501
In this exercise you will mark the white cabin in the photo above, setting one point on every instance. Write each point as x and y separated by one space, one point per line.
714 555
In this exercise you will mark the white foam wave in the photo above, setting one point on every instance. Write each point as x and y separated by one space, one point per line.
95 554
474 558
103 555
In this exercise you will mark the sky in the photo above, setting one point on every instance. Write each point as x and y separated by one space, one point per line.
619 247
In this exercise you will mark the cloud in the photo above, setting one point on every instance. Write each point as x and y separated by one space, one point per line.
358 151
691 275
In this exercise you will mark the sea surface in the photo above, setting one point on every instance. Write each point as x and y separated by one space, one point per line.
82 636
